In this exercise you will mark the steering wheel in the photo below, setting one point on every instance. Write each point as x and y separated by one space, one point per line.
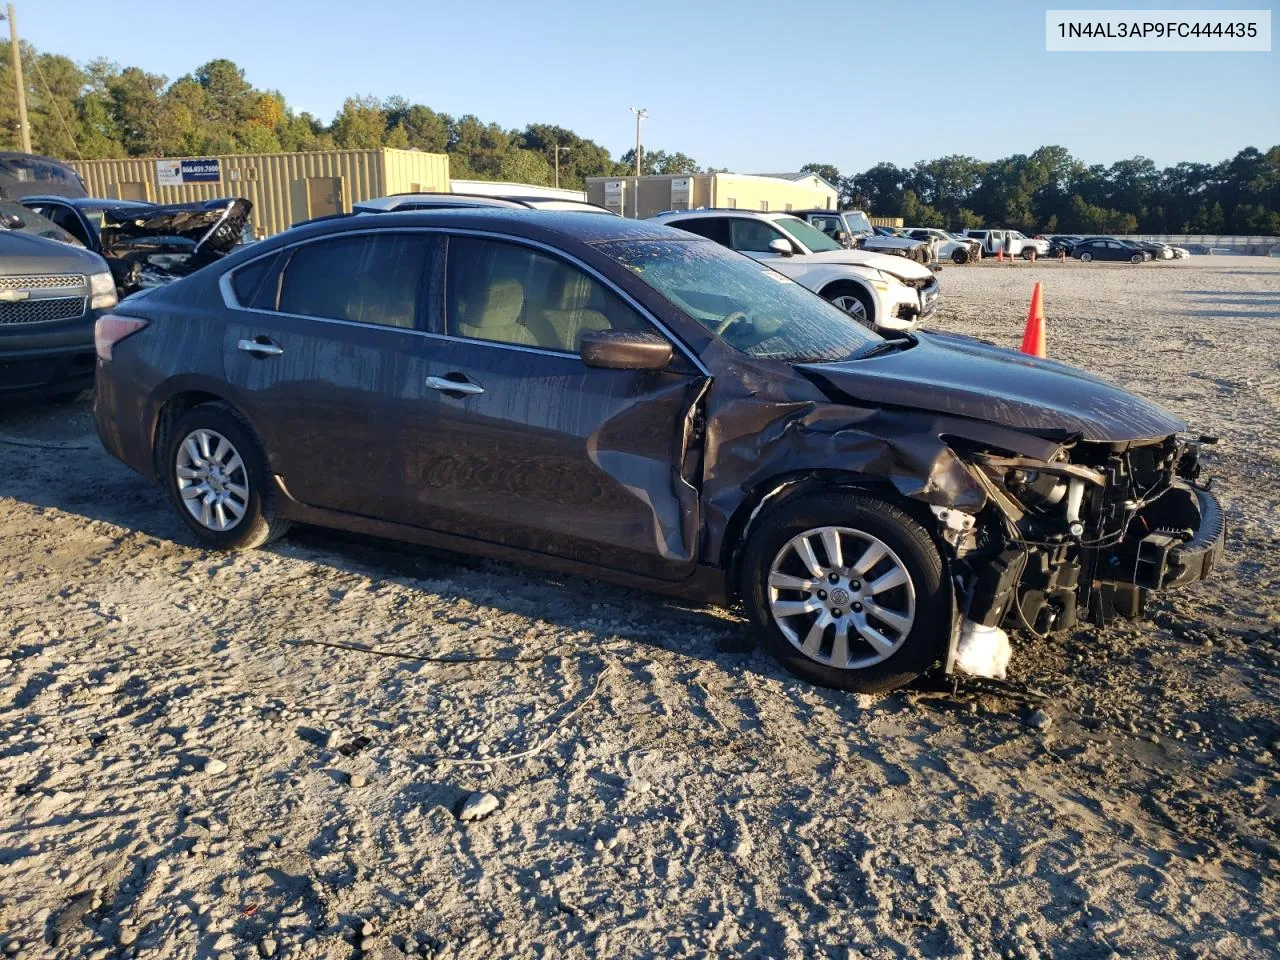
729 321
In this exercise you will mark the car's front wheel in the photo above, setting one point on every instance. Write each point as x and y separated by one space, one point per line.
847 591
218 480
1086 257
1137 258
960 256
854 301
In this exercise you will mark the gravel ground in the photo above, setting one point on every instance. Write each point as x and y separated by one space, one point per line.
191 765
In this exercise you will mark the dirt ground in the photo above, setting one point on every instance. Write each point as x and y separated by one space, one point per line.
187 770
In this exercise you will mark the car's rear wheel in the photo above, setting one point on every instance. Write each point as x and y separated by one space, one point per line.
847 591
854 301
1086 257
218 480
960 256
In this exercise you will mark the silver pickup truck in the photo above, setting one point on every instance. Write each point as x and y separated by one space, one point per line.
853 229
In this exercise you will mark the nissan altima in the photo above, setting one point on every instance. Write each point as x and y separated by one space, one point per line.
634 403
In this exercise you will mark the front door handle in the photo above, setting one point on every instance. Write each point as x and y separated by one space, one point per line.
267 349
454 386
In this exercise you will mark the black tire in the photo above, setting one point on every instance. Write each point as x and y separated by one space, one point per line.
960 256
837 290
924 644
261 522
1028 253
1137 258
1086 257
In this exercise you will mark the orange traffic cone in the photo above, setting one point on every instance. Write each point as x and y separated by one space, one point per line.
1033 338
999 254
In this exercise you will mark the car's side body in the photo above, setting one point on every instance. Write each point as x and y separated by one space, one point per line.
945 246
1108 249
901 294
439 412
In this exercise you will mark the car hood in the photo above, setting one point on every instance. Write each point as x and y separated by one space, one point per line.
899 267
213 232
896 243
24 254
969 378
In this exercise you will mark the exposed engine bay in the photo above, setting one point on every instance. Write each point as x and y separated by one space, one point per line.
160 244
1083 536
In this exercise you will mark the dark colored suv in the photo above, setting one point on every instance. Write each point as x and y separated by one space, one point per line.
634 403
51 292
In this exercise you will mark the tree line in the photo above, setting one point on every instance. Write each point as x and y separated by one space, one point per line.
102 110
1050 191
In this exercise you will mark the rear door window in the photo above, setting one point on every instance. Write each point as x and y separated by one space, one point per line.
380 279
713 228
752 236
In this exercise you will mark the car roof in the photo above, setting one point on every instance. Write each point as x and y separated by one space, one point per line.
88 201
548 225
725 211
430 198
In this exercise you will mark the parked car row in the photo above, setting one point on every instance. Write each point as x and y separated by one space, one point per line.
853 229
892 293
644 405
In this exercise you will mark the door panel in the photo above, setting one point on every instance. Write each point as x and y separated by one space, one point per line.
557 457
332 393
331 407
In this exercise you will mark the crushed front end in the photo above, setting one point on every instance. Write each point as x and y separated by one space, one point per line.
1085 535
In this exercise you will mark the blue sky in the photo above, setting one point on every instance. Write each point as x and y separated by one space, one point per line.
745 85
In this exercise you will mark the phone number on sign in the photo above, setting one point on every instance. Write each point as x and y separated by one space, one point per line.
1119 31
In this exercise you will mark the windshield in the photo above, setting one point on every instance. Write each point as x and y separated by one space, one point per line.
807 234
33 223
749 306
23 175
858 223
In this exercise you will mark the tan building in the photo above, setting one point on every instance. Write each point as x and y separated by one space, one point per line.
743 191
284 187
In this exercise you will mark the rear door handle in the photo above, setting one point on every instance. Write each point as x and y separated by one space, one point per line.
454 386
267 349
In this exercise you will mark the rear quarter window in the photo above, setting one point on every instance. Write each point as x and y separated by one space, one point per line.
247 281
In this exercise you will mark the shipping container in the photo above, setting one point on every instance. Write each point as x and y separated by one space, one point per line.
285 188
646 196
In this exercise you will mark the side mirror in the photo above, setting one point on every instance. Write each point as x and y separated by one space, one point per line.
625 350
841 237
14 222
781 246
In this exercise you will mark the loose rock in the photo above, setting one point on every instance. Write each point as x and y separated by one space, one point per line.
478 805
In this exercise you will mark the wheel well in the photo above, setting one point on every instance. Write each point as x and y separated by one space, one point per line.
835 287
781 489
173 410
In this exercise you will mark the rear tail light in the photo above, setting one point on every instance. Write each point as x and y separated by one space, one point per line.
110 330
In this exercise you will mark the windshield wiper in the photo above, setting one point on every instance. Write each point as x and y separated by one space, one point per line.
902 341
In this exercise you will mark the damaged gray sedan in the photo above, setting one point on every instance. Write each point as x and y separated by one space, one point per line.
633 403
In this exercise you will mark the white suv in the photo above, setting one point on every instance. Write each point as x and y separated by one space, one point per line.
889 292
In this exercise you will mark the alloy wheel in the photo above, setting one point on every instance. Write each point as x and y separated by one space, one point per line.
854 307
212 480
841 597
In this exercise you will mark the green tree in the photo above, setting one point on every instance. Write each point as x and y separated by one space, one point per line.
360 125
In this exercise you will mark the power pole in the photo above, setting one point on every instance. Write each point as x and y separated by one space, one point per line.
640 113
558 148
24 128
